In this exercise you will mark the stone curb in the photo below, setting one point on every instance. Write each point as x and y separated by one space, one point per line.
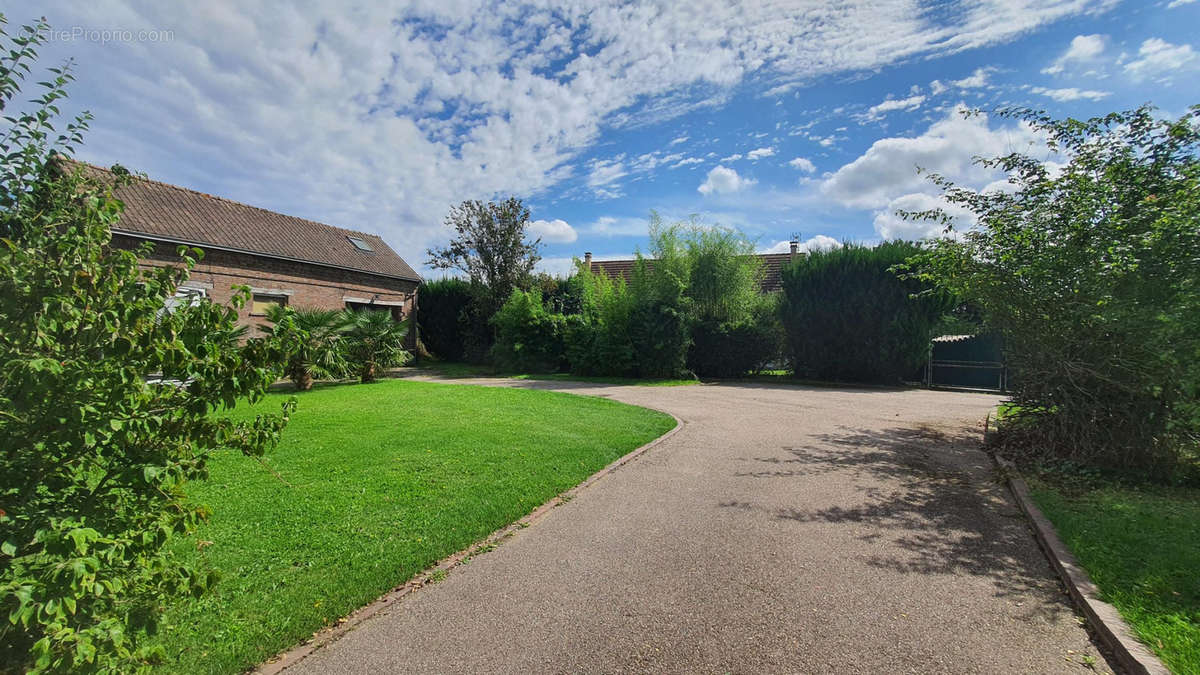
344 625
1131 655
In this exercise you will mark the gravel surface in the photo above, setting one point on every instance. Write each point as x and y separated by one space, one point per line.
783 529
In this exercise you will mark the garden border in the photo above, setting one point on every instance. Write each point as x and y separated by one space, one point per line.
294 655
1104 619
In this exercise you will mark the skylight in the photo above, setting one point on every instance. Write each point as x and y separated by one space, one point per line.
360 244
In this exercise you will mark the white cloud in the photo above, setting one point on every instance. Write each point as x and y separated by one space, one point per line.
879 110
722 180
936 87
890 225
1179 3
975 80
1159 57
818 243
759 153
1071 94
677 140
733 158
381 116
1083 48
686 161
555 231
884 178
803 164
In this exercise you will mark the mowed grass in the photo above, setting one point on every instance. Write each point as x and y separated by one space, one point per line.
376 483
1141 546
457 370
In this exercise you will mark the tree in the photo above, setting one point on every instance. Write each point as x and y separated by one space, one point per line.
849 317
94 457
312 339
490 247
374 341
1089 271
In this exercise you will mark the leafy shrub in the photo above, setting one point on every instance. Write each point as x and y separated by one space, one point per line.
660 315
373 341
733 348
529 339
598 341
442 307
312 339
736 328
1089 272
849 317
96 457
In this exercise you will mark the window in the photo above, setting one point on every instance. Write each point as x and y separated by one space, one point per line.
397 311
262 302
361 244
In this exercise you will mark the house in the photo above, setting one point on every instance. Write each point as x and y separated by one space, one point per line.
772 264
284 260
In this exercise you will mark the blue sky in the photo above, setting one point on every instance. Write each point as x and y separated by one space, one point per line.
775 118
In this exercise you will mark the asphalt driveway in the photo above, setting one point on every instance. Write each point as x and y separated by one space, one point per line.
783 529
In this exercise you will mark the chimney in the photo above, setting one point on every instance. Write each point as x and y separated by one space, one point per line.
794 248
587 259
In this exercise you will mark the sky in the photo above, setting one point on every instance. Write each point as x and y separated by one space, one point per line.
799 119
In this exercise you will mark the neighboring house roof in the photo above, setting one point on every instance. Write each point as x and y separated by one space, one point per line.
772 264
164 212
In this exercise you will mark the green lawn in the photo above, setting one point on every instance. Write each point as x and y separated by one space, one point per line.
453 369
1141 546
382 480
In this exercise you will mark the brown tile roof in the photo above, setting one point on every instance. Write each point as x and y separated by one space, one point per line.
772 265
161 211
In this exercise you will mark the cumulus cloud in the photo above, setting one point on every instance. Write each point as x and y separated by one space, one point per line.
803 164
759 153
678 139
890 225
722 180
1179 3
879 110
889 167
937 87
1158 57
975 80
1071 94
381 116
885 177
818 243
1083 48
555 231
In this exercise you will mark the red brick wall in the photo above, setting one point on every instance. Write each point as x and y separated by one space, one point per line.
305 285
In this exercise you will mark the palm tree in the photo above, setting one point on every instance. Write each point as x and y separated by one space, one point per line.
313 340
374 341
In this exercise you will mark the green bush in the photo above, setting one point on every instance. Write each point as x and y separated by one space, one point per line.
597 341
738 347
736 328
95 456
529 339
660 315
849 317
442 316
373 341
1089 272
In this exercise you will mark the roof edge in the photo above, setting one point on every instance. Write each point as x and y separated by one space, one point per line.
259 254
